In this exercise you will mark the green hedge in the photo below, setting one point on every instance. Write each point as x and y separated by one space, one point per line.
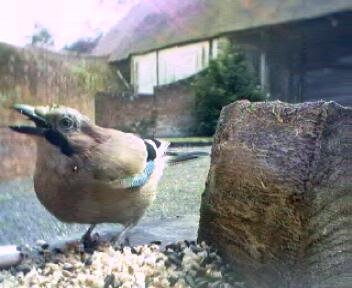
226 80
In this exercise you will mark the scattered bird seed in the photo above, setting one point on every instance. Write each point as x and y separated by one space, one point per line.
88 261
42 244
181 265
68 267
156 242
109 280
24 268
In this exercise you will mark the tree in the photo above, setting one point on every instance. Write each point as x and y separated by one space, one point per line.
42 37
83 45
226 80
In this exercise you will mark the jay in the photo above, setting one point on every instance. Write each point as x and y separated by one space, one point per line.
88 174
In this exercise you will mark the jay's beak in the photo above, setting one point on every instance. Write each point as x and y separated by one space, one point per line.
37 115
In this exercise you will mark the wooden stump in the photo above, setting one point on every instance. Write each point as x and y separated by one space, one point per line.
278 200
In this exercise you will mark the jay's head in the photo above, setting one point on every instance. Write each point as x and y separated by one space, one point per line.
61 126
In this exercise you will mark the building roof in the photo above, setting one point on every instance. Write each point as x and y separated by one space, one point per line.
155 24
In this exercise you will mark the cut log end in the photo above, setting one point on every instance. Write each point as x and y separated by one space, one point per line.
278 196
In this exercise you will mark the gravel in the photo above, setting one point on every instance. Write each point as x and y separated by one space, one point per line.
180 264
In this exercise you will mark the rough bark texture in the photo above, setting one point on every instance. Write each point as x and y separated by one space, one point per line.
278 200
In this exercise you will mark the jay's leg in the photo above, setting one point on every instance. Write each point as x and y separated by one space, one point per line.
87 240
121 239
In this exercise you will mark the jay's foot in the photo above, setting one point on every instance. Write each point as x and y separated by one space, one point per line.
90 243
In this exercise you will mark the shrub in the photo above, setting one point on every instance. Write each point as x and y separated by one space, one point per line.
226 80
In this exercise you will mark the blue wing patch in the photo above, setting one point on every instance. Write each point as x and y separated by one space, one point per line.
142 178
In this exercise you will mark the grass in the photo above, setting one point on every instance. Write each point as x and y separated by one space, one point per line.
180 189
190 140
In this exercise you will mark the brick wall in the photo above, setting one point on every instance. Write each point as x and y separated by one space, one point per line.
40 77
175 103
168 113
130 115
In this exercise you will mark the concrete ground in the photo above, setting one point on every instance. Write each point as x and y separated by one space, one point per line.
173 216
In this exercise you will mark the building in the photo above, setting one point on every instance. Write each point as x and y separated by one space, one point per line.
300 50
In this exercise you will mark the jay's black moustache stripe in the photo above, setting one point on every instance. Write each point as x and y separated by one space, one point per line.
60 141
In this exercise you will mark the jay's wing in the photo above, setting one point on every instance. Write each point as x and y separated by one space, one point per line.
126 160
122 155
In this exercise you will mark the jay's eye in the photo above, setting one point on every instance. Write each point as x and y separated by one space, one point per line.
66 123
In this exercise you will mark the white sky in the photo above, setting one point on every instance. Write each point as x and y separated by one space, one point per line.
66 20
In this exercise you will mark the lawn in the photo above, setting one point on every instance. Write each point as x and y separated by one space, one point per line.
181 187
187 141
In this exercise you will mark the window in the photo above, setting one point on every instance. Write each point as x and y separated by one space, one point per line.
174 64
144 73
182 61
